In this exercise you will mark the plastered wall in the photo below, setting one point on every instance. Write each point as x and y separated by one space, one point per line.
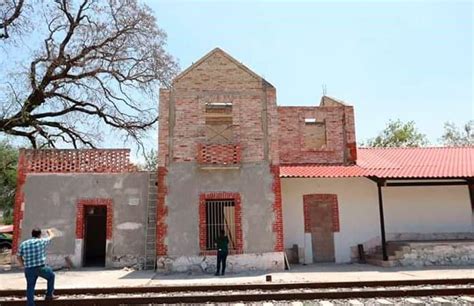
434 209
51 199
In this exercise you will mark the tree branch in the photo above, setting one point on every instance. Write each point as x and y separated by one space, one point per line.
98 66
9 20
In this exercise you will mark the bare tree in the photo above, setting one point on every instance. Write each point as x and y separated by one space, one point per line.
10 11
453 136
151 160
100 63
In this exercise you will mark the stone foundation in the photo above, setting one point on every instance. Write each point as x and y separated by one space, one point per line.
59 261
372 246
437 253
272 261
129 261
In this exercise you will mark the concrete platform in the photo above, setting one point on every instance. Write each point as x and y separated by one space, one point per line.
85 278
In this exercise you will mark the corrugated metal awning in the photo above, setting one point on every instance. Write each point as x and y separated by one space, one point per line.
442 162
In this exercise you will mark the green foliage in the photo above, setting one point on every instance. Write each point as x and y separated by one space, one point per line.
455 137
8 166
398 134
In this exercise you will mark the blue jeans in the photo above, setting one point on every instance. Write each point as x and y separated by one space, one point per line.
31 275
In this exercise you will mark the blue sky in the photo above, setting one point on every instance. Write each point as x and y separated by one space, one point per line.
408 60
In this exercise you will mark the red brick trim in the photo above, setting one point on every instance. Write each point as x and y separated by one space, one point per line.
161 213
314 199
352 150
19 200
277 209
219 154
79 161
238 220
82 204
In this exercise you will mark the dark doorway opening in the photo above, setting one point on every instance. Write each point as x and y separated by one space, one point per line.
95 224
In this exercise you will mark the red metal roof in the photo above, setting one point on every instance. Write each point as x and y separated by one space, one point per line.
442 162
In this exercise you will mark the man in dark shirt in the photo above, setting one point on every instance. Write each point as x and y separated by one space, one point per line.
222 250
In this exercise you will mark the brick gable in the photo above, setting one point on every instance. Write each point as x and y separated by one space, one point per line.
217 71
217 78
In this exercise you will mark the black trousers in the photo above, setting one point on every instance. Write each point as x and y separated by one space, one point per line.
221 260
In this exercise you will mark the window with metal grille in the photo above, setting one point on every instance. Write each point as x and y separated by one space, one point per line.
220 215
219 123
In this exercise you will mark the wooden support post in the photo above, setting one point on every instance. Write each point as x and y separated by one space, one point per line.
470 186
380 184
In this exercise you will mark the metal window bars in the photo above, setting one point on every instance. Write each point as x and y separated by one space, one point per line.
220 215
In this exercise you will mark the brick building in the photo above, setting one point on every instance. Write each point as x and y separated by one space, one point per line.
219 167
277 179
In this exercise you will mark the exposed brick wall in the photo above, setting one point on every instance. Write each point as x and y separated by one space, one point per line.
217 71
314 199
277 209
335 215
82 204
219 154
217 79
270 95
351 145
163 128
78 161
340 137
190 129
64 161
203 197
161 213
19 200
291 136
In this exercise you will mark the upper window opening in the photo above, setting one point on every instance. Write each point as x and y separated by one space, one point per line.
219 127
314 134
219 108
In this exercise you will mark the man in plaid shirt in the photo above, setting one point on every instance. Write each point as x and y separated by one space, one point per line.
32 255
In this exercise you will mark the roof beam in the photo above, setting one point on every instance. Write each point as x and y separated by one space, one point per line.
412 184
